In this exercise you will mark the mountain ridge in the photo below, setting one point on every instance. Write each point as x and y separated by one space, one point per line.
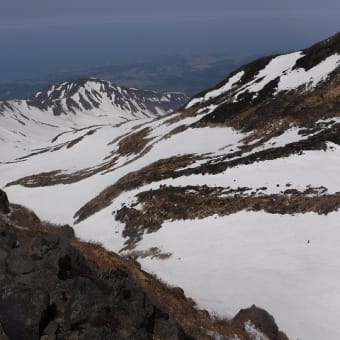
90 90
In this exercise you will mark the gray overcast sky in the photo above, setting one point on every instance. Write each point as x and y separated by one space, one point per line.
41 36
14 9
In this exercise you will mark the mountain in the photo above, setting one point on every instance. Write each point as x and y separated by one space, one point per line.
234 197
26 124
92 94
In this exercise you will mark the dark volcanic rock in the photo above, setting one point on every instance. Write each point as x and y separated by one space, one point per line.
262 320
8 238
19 264
21 310
3 336
167 329
42 246
102 333
4 204
49 290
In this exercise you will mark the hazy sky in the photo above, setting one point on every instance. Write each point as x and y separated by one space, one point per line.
34 8
40 36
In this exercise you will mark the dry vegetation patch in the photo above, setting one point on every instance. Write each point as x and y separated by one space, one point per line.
177 203
59 177
174 167
165 168
134 143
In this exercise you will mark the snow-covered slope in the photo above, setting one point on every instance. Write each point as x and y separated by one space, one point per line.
28 124
235 197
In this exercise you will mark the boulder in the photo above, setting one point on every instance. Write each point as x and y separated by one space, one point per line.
261 320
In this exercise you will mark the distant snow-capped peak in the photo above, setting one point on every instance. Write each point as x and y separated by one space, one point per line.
90 94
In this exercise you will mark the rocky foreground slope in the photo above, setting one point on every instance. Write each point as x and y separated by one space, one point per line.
56 287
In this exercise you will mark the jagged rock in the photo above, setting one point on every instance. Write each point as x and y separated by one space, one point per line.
262 320
21 310
4 203
66 231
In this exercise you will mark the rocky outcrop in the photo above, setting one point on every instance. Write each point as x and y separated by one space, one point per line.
49 290
256 320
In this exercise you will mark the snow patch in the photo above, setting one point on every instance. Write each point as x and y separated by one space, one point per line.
257 258
311 78
217 92
275 68
253 332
